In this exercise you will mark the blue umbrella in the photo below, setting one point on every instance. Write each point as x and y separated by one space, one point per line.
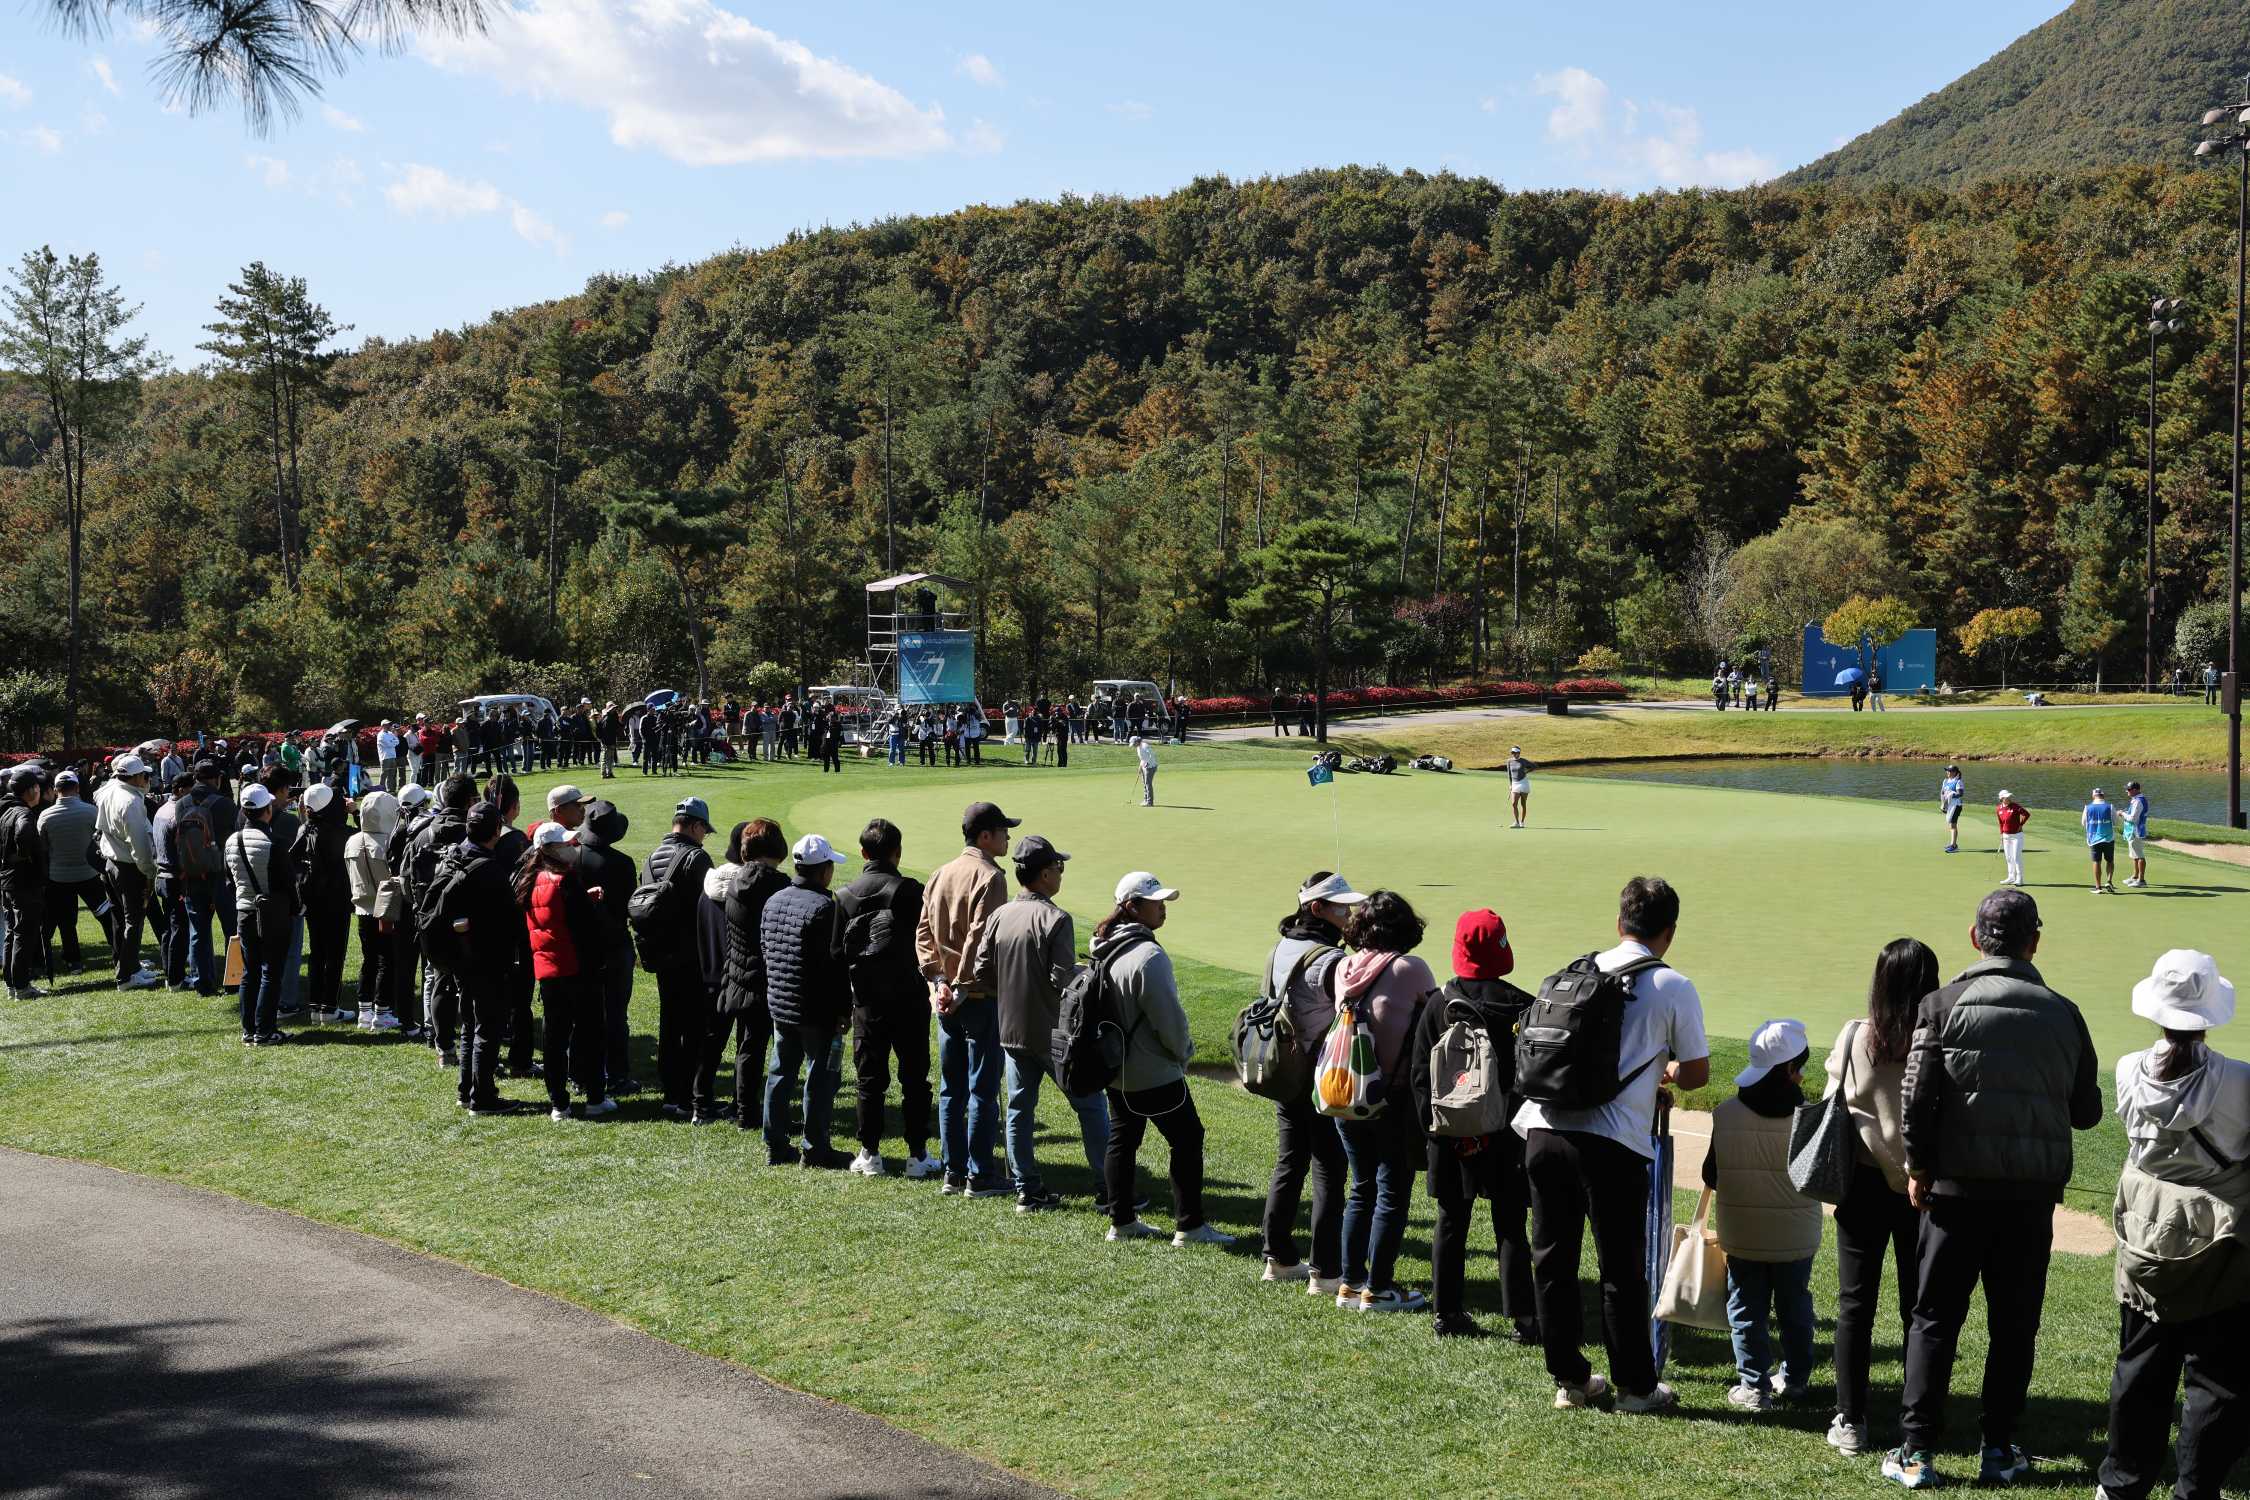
660 698
1849 676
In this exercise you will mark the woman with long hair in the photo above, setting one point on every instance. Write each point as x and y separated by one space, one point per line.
567 944
1388 986
1151 1083
754 853
2186 1110
1868 1063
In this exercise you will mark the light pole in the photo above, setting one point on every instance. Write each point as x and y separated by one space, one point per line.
2161 319
2236 140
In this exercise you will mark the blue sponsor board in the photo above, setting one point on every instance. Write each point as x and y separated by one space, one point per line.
1906 665
937 666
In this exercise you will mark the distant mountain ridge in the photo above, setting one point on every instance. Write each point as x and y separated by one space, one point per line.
2107 82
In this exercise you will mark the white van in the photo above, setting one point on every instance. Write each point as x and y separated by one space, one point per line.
490 704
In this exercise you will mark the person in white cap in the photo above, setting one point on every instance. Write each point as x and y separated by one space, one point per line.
1147 754
566 805
2013 815
1300 970
66 827
567 950
809 996
1519 786
324 886
252 862
128 846
1151 1083
2185 1311
387 757
377 907
1769 1231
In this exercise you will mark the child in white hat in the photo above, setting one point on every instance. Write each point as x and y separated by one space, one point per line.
1769 1230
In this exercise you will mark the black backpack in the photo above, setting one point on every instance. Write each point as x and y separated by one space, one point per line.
1270 1058
1089 1044
657 909
436 906
1570 1042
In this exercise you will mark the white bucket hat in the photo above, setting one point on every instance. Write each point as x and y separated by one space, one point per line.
1335 889
2184 992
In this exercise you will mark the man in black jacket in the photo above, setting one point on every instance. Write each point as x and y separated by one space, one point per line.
808 994
668 950
23 879
483 911
425 844
2001 1071
879 913
610 869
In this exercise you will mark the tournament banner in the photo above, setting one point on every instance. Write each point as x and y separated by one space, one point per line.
1908 664
937 666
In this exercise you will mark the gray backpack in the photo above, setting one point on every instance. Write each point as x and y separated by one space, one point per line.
1468 1078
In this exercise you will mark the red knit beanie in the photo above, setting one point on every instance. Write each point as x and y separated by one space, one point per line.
1480 946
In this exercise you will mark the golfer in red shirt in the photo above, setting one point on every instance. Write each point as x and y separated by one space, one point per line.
2013 815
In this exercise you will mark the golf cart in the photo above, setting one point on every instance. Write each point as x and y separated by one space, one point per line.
1111 699
490 704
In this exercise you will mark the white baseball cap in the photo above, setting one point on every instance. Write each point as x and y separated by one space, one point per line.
255 796
2005 795
318 796
128 765
413 794
812 849
551 833
564 795
1776 1044
1335 889
2184 992
1142 886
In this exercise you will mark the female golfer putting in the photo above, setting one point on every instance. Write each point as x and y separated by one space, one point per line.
1519 786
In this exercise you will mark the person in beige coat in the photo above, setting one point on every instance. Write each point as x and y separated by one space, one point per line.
379 905
1868 1063
1768 1229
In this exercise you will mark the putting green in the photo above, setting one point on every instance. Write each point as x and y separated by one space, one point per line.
1785 900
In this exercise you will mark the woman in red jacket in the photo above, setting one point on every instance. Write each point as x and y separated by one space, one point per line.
2013 815
566 958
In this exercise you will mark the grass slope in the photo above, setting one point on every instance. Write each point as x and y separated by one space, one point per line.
1105 1370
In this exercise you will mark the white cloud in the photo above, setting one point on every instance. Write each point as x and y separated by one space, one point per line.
1490 104
979 70
1131 109
1631 144
426 192
338 180
100 66
93 122
697 83
271 170
982 138
616 218
40 138
145 30
340 120
14 92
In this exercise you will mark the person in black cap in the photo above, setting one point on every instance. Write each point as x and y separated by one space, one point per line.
881 912
23 878
961 899
1027 955
491 929
684 1007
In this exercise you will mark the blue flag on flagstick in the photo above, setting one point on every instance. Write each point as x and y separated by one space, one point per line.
1319 774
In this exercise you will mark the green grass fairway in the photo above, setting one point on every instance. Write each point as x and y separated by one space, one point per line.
1137 1370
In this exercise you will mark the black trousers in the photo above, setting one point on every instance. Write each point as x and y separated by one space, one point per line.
573 1007
683 1022
1872 1222
1576 1176
2006 1246
1307 1145
517 986
63 897
880 1033
378 958
444 1020
1171 1108
749 1039
617 1021
27 928
2213 1353
832 754
128 893
261 981
484 1011
1452 1190
327 939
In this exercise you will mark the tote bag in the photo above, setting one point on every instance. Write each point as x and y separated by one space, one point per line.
1694 1293
1821 1136
1348 1084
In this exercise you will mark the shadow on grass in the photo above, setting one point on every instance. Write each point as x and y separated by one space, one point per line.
105 1039
115 1409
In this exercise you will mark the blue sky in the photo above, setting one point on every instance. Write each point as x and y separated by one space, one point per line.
424 190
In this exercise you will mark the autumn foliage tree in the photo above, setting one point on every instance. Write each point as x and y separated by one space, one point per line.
2002 630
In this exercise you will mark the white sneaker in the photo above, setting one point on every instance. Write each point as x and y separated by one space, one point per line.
1749 1398
596 1111
868 1164
1572 1397
1324 1286
559 1115
1658 1400
146 979
1201 1234
1847 1438
1276 1271
1133 1231
384 1020
920 1167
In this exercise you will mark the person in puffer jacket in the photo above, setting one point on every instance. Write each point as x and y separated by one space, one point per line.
2186 1110
711 953
2000 1073
566 959
324 891
809 995
756 857
1151 1084
376 906
1462 1170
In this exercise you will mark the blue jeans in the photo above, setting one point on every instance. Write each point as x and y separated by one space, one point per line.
1026 1070
969 1069
292 964
1375 1206
187 944
820 1051
1786 1287
897 752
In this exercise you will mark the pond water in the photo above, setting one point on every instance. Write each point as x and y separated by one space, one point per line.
2198 796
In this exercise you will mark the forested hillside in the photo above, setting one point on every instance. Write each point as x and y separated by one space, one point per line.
2107 82
1102 409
